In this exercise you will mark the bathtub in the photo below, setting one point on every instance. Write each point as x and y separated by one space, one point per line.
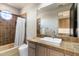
9 50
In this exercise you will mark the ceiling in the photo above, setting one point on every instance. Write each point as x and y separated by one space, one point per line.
20 5
54 7
44 9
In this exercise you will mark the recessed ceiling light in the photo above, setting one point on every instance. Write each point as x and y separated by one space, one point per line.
6 15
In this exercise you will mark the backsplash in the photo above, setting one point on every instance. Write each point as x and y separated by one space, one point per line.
7 30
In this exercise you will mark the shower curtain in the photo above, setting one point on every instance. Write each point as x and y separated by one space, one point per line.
20 32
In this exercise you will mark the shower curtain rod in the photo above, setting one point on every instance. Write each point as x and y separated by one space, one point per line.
13 14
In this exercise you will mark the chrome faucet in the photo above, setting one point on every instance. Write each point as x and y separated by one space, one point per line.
54 34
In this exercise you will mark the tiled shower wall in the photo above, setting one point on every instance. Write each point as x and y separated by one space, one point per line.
7 30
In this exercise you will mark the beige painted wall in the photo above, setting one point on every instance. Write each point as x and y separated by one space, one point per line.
31 21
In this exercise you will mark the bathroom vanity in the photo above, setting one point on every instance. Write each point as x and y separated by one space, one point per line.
38 47
57 24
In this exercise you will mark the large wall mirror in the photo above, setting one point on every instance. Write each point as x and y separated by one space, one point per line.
61 19
64 22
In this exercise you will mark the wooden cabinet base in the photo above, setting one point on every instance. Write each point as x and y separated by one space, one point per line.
38 49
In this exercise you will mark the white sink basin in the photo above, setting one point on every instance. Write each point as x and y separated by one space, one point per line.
55 41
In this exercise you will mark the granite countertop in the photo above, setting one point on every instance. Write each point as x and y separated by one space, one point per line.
67 46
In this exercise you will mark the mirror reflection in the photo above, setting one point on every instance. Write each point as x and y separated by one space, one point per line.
59 20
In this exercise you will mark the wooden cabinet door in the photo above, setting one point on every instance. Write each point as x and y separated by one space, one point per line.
31 49
55 53
31 52
68 54
44 51
40 50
